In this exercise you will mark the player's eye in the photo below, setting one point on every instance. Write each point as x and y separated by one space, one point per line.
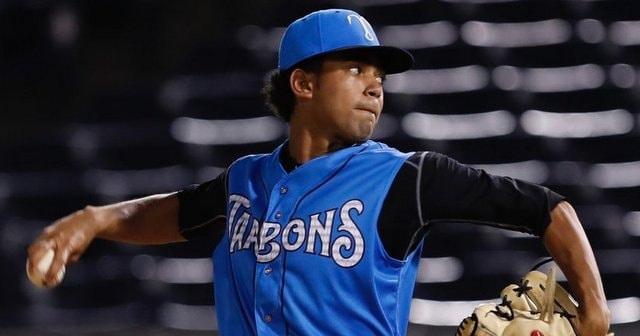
356 70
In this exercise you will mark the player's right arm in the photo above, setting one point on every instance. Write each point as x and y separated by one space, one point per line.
149 220
195 212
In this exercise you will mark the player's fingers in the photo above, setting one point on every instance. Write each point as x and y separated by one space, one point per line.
55 274
65 240
68 250
36 252
40 263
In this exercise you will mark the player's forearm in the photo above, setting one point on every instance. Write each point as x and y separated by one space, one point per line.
567 243
148 220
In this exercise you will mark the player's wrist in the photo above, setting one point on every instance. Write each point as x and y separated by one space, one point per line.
97 221
593 319
593 303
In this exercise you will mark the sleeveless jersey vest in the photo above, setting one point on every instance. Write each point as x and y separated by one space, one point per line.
301 254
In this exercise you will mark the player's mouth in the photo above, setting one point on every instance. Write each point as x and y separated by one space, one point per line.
368 109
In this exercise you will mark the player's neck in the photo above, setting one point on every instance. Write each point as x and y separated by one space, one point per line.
305 146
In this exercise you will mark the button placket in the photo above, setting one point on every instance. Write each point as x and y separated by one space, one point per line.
268 276
268 283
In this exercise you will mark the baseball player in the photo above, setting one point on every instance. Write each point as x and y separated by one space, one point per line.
323 235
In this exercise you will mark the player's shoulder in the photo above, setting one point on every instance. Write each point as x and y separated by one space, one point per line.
250 158
411 157
380 148
248 162
430 156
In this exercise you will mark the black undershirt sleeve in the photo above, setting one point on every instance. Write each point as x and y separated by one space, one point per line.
433 187
202 214
203 207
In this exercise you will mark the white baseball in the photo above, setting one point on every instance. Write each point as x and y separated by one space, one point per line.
41 269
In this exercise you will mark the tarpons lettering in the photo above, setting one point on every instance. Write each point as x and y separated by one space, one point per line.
324 234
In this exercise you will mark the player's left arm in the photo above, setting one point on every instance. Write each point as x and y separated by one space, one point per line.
567 243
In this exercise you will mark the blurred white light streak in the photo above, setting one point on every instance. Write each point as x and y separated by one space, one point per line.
185 270
451 313
442 313
624 310
532 170
615 175
625 33
563 79
631 223
433 34
559 79
462 126
577 125
445 269
188 317
509 35
461 79
218 132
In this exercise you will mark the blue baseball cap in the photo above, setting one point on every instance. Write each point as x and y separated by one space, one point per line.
332 30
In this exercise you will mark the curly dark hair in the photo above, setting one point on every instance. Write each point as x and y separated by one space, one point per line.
278 97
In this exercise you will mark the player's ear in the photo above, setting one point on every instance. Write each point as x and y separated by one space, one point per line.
301 83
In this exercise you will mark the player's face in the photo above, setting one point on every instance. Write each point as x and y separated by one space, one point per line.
349 96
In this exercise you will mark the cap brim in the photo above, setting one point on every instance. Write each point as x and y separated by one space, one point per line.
394 59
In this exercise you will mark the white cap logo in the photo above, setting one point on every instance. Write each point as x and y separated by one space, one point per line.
368 30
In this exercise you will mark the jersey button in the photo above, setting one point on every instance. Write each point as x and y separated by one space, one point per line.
268 318
283 190
268 270
278 215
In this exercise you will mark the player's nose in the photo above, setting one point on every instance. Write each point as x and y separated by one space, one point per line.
374 89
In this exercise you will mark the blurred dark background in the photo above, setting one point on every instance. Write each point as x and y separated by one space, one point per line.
102 101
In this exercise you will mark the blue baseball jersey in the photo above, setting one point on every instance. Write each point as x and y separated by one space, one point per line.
332 247
302 246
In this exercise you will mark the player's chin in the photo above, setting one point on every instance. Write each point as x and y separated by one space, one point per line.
364 133
359 131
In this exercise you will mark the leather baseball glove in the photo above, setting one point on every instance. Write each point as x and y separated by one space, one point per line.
537 306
